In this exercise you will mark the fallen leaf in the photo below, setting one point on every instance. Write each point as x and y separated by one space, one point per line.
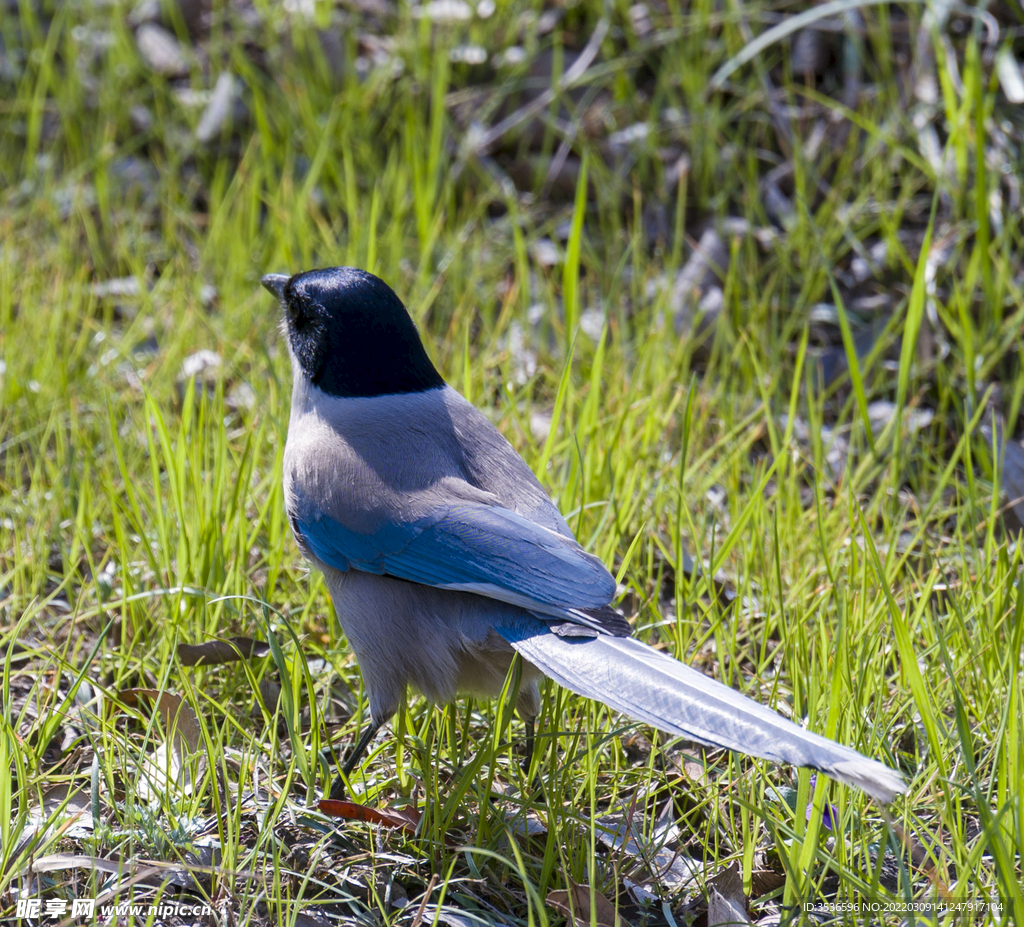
161 51
218 111
212 653
1012 479
72 804
765 881
727 905
58 861
1011 75
268 694
170 761
530 825
406 819
452 916
648 845
1010 460
706 267
696 772
575 904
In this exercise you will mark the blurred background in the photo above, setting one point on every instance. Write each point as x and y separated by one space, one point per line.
719 159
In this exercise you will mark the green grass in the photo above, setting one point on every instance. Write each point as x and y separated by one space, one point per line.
872 592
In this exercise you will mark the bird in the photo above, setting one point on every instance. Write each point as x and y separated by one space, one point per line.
445 557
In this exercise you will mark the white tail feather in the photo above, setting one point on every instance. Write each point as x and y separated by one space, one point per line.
651 687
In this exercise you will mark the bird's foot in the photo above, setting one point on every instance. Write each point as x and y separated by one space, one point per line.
338 791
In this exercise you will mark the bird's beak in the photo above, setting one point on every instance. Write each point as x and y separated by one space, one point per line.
275 283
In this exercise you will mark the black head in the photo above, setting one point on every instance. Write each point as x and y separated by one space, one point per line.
351 334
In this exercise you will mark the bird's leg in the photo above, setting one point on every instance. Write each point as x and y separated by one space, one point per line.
530 740
338 786
536 786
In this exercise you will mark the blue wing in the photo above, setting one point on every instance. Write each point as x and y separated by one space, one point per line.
484 549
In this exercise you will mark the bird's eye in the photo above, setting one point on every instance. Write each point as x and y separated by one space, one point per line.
294 312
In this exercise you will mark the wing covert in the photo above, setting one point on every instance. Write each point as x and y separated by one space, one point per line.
488 550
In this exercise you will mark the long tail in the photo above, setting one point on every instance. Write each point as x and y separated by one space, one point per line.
651 687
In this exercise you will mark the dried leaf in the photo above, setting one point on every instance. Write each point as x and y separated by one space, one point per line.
118 288
58 861
128 870
75 808
1011 75
529 825
705 268
213 653
648 844
218 111
161 50
169 762
765 881
575 904
406 819
202 364
696 772
727 905
1012 480
303 919
450 915
1010 457
268 694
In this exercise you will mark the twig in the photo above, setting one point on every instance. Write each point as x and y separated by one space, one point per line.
418 917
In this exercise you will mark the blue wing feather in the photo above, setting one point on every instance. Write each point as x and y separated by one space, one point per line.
476 548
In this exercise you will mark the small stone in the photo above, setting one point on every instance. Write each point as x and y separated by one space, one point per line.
218 109
640 17
510 57
202 363
592 323
141 117
1011 75
545 252
190 98
161 50
146 11
547 22
117 288
540 425
444 11
629 136
134 178
242 396
468 54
